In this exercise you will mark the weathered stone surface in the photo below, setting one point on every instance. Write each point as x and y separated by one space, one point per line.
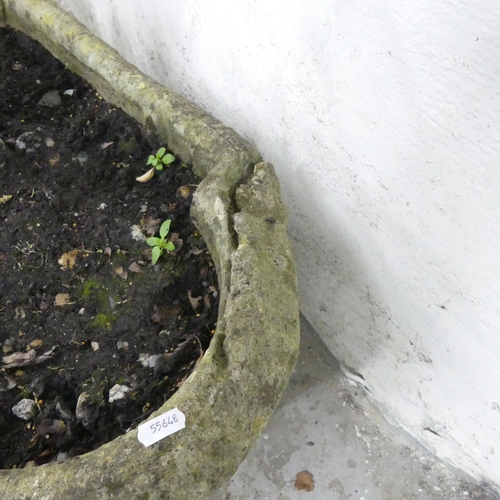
232 393
25 409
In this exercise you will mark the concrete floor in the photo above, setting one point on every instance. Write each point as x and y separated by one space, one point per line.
326 425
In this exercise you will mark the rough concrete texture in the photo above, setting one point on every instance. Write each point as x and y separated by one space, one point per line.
326 424
231 395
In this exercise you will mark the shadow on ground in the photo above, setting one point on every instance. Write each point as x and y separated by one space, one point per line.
327 426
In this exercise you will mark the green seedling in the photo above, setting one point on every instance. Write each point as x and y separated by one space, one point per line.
160 244
161 159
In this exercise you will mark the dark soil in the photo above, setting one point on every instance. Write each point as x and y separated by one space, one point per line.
82 307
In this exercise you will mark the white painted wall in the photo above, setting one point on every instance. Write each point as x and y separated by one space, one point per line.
383 121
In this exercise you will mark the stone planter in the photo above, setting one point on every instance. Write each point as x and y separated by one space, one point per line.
232 393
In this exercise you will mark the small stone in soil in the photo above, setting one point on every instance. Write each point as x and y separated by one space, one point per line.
118 392
82 157
25 409
87 408
51 99
148 361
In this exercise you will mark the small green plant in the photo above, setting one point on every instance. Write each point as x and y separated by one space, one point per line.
160 244
161 159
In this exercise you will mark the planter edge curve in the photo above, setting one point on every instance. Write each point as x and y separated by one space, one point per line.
231 395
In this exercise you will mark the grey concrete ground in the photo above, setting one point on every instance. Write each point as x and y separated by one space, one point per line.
327 426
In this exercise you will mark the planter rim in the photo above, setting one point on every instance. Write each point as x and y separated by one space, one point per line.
232 393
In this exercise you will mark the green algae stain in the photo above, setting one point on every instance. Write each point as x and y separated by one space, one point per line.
104 321
89 286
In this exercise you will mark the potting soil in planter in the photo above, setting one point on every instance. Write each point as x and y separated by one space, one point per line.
94 337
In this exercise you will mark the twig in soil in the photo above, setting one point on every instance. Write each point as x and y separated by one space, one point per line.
199 345
28 248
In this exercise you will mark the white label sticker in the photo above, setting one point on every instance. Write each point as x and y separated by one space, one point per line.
156 429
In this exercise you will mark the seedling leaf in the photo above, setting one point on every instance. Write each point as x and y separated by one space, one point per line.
155 255
151 160
168 158
160 153
170 246
165 227
153 241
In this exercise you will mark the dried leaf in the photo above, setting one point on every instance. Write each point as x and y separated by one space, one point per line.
304 481
178 242
203 272
167 208
62 299
135 268
195 302
10 383
121 272
46 453
150 225
107 251
68 259
45 356
18 359
161 314
36 343
105 145
206 301
5 198
147 176
50 426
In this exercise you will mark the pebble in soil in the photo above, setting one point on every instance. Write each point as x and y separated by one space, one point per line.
94 337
